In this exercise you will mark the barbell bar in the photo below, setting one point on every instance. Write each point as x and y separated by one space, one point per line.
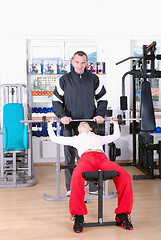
44 121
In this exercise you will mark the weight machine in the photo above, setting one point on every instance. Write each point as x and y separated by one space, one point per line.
140 70
16 166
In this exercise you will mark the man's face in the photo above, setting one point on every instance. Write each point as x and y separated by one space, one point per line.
79 63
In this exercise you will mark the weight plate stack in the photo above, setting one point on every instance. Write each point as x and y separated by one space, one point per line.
145 156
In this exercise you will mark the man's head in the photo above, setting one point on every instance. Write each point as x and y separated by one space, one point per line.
79 61
84 127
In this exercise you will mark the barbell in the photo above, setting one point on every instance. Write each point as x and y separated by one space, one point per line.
44 121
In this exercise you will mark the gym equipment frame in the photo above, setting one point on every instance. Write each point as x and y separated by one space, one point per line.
16 166
147 111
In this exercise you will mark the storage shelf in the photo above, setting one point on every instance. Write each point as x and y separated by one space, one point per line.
59 74
39 74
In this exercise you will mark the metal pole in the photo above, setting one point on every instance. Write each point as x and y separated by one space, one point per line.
58 163
159 159
100 198
134 125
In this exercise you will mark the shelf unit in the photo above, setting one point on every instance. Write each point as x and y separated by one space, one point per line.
43 149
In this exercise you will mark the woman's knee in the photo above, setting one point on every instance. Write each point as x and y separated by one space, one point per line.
77 176
124 175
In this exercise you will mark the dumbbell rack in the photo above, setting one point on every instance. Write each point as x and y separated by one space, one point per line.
58 196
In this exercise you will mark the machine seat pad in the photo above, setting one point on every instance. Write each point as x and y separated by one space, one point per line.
94 176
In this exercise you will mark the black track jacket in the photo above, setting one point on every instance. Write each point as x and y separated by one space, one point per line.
79 96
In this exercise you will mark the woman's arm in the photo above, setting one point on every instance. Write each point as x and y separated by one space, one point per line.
111 138
60 140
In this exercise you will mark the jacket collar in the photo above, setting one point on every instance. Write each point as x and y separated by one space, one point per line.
79 75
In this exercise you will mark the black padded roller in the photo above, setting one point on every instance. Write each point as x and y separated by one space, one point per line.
123 102
147 110
93 176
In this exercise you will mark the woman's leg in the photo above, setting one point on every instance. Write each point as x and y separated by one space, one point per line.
76 202
122 183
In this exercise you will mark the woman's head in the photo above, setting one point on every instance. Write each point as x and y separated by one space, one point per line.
84 127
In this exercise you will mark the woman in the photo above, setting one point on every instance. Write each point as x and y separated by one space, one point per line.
92 158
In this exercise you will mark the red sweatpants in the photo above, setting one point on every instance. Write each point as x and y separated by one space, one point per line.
93 161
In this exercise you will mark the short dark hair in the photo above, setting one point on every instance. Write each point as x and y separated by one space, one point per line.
80 53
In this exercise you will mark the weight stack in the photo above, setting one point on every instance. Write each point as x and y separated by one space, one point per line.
145 156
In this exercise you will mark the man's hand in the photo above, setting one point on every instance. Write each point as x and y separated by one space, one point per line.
98 119
65 120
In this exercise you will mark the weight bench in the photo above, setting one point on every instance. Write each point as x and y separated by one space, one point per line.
98 177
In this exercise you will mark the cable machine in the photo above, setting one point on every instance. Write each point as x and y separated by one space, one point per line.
145 162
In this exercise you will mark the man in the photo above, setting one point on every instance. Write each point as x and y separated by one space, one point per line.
92 158
78 95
